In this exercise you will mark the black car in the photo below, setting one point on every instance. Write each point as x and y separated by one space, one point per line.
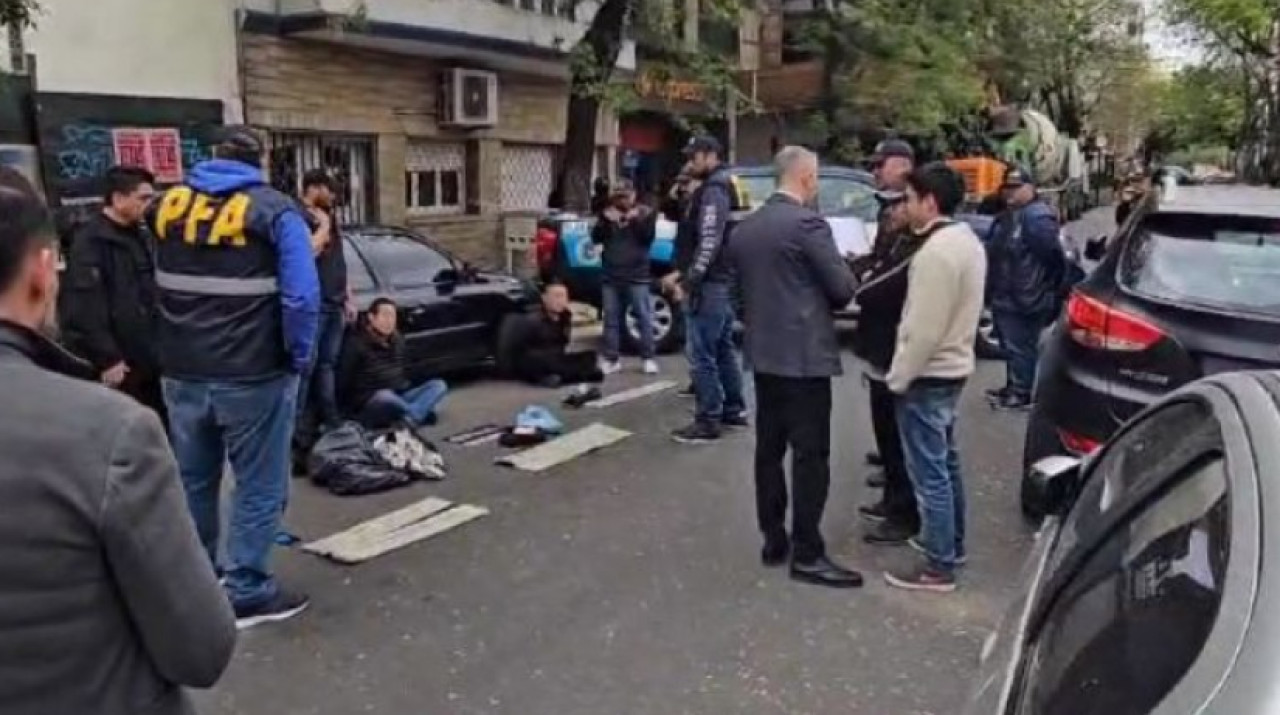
1189 286
450 313
1149 587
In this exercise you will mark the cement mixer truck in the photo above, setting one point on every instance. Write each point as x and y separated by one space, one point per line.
1028 138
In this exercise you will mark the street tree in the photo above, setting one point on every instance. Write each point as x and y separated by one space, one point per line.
1243 36
896 66
1063 56
18 13
655 24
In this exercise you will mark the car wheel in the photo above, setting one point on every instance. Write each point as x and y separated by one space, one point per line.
1041 441
668 326
987 345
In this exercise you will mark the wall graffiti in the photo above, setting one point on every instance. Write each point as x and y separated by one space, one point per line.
87 152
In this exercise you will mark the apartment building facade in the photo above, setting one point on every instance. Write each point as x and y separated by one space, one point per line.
446 116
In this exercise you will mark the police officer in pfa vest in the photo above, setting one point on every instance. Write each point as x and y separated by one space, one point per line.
239 300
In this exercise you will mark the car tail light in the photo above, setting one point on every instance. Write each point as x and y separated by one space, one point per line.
1095 324
545 246
1078 444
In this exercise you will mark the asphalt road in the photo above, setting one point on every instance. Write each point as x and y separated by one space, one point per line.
627 582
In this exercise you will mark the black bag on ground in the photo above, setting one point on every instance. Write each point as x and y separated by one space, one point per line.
345 462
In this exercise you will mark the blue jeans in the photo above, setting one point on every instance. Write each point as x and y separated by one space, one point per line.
416 405
616 298
713 362
1020 338
249 425
927 421
319 382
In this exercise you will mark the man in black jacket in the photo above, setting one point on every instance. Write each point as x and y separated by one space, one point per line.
533 347
110 311
881 298
374 379
702 282
626 233
793 279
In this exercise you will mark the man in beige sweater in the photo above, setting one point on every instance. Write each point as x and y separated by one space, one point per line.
931 362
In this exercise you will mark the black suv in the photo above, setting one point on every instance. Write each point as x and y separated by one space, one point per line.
449 313
1189 286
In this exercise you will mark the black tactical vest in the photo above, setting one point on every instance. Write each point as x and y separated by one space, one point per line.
217 278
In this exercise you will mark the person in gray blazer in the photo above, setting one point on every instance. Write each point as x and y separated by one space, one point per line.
792 278
108 603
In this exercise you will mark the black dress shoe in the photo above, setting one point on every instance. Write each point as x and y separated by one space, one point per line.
876 481
825 572
775 552
889 533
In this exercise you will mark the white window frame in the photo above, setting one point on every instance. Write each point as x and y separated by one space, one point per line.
431 161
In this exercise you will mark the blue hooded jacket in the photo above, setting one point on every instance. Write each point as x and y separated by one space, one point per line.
296 267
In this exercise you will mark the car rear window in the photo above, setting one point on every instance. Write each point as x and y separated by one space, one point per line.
759 187
1221 262
837 195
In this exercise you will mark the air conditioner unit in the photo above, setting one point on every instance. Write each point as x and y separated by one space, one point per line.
468 98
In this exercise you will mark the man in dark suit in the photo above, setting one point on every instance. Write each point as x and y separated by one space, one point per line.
792 279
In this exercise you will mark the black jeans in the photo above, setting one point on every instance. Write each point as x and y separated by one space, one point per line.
793 413
571 368
899 496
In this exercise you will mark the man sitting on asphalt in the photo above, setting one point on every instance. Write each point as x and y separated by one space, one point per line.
931 362
1026 276
533 347
373 375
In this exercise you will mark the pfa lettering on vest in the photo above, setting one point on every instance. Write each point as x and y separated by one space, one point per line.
195 218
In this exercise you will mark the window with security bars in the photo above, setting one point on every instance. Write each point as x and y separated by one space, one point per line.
551 8
347 159
435 178
528 171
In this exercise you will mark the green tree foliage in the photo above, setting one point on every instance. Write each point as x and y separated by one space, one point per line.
1243 38
655 25
1201 107
19 13
915 66
903 66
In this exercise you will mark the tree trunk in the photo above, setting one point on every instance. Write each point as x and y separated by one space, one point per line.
594 58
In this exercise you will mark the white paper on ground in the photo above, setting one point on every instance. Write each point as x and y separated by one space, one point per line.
634 393
562 449
395 530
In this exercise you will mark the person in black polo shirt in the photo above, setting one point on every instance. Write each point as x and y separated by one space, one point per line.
317 394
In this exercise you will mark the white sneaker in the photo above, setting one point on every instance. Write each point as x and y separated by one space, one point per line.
651 367
611 367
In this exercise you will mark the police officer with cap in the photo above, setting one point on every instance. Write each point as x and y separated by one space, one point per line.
1026 276
882 298
239 300
702 283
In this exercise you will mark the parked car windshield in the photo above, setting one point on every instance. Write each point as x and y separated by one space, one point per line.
837 195
1229 263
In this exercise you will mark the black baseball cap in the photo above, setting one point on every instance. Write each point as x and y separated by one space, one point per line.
890 148
239 143
1018 176
704 144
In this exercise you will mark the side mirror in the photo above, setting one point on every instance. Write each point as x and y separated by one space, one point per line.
1095 249
448 277
1052 485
